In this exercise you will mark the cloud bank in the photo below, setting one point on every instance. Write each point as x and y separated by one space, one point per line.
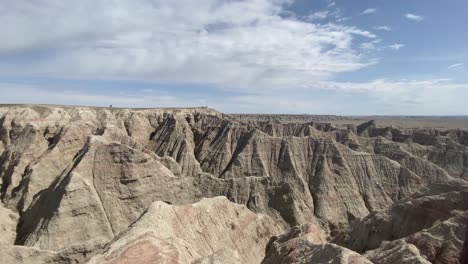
274 60
241 44
381 96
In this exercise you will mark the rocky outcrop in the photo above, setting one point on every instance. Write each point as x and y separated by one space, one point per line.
442 243
446 149
284 170
204 232
30 255
404 156
464 252
403 219
64 166
306 244
8 222
430 227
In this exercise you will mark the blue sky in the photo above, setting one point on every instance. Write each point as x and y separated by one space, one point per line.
343 57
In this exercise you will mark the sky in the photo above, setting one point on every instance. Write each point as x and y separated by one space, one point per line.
360 57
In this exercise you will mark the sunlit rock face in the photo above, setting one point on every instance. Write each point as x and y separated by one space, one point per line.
79 184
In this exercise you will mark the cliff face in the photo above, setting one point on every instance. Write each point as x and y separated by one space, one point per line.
191 233
101 169
306 244
431 228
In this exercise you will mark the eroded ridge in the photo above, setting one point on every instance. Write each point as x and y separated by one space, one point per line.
76 182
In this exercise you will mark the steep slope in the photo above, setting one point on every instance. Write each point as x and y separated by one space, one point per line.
8 222
442 243
447 149
192 234
428 228
61 167
305 244
404 218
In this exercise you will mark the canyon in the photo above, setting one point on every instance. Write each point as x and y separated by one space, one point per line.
194 185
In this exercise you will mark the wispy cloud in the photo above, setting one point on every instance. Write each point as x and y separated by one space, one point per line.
36 94
383 28
371 45
414 17
384 96
396 46
319 15
233 47
369 11
421 97
240 44
456 65
368 46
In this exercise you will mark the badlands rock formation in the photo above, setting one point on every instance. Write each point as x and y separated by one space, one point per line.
102 185
199 233
306 244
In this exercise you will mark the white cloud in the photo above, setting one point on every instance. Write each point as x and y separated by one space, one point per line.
241 44
34 94
371 45
232 45
368 46
248 103
369 11
382 96
331 4
319 15
383 28
456 65
414 17
396 46
418 97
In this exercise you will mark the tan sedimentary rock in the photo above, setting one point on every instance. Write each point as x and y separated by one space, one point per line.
221 257
297 162
101 169
67 214
305 244
8 222
442 243
447 149
174 138
198 233
24 255
403 219
11 254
